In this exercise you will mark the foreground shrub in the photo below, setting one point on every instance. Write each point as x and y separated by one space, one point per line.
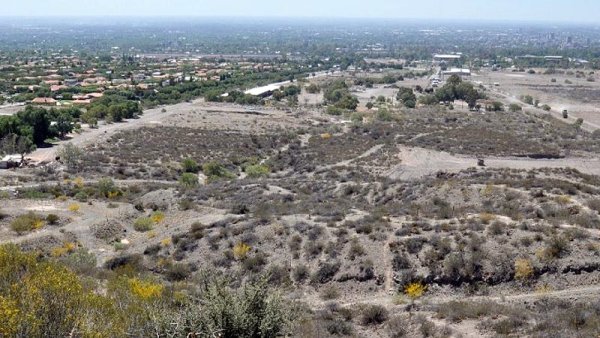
240 251
253 311
143 224
258 170
523 269
188 180
415 290
40 298
374 315
215 171
190 166
44 299
27 222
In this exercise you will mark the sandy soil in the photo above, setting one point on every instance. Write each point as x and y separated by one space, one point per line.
414 163
557 95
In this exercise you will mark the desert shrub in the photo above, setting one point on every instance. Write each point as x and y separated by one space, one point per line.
254 311
523 269
295 242
594 204
197 230
178 272
338 327
330 292
313 88
414 244
132 261
255 263
106 186
108 231
355 250
513 107
52 219
190 166
240 251
157 217
40 298
397 327
567 318
373 315
27 222
497 228
257 170
415 290
401 262
74 207
71 156
325 272
80 261
278 275
313 249
143 224
457 311
186 204
508 325
44 299
214 171
300 273
557 246
188 180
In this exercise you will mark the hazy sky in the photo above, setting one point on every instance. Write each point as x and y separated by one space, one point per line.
573 11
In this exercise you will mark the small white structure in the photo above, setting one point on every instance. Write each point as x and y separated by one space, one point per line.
462 72
266 90
446 57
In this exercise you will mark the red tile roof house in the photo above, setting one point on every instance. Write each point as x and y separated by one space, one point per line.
48 101
55 88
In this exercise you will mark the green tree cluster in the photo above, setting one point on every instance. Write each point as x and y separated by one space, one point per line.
338 95
407 97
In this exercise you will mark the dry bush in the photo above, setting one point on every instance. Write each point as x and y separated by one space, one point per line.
143 224
27 222
523 269
373 315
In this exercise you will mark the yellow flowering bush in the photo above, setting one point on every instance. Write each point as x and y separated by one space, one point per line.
9 317
240 251
74 207
145 290
415 290
157 217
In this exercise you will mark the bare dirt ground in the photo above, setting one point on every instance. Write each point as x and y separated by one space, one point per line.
581 98
10 109
196 114
414 163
